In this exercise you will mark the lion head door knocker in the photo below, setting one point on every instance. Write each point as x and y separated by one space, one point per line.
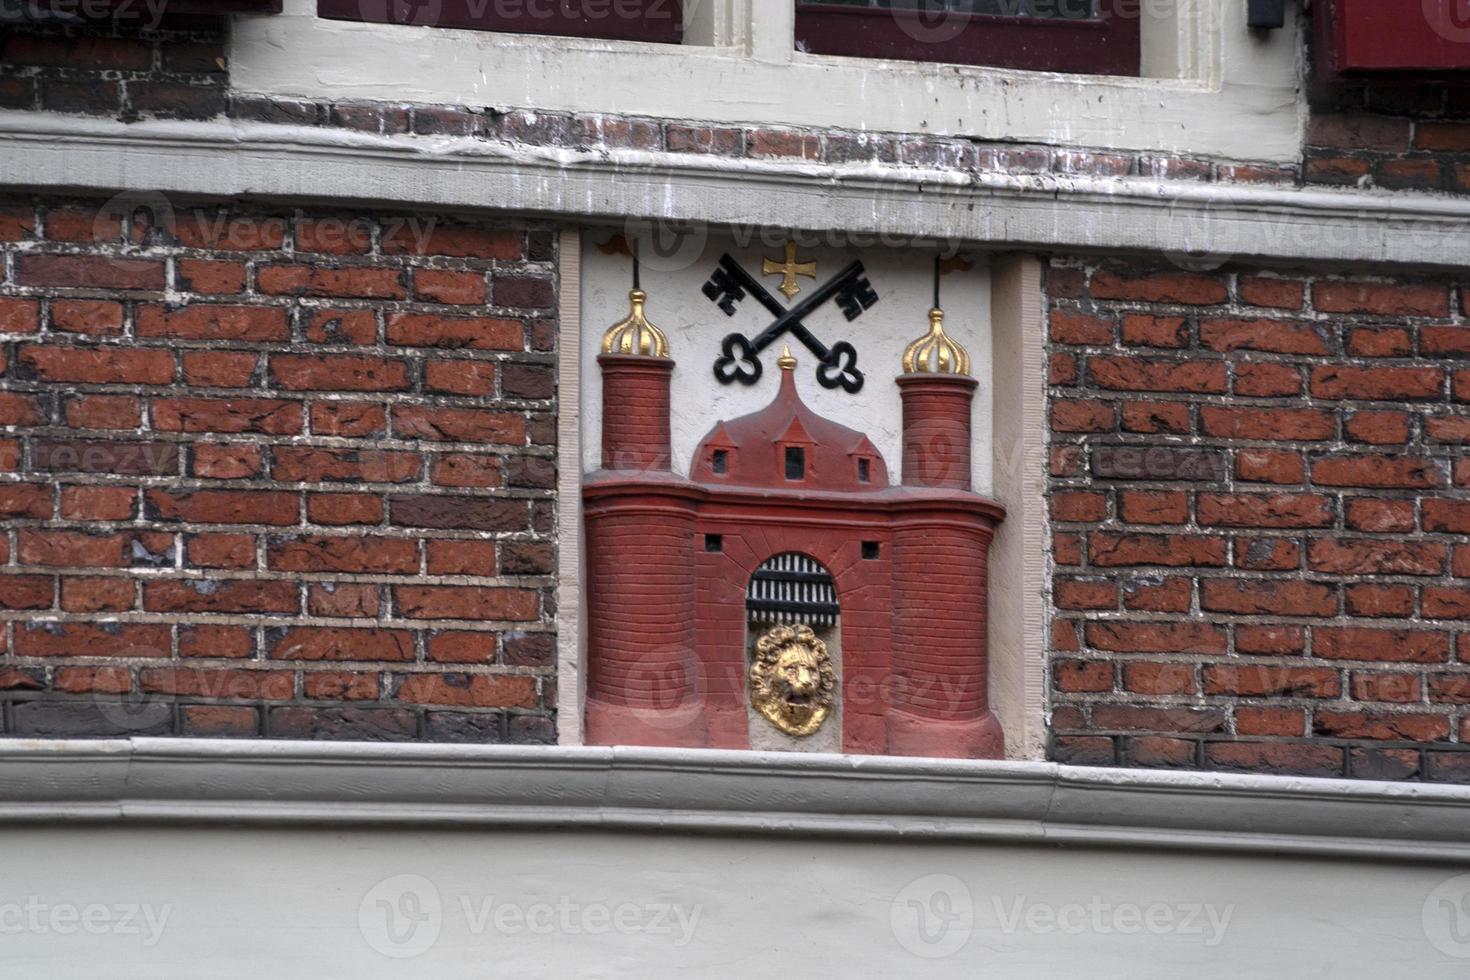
792 682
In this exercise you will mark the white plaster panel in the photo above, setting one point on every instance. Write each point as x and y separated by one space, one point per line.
902 278
368 904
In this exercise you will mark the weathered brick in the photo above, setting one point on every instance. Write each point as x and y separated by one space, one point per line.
216 596
132 640
465 602
203 322
338 373
1083 416
89 272
100 318
1129 374
1265 510
263 415
1282 294
458 332
1269 466
1082 676
364 554
1383 299
1147 507
1377 383
1159 678
434 236
1108 550
222 506
1267 380
1378 725
1157 463
104 412
1359 643
219 369
458 425
211 277
1252 598
348 419
1269 424
1377 471
1155 637
336 644
100 365
1264 680
360 282
1274 336
1302 758
1357 556
1160 287
1069 327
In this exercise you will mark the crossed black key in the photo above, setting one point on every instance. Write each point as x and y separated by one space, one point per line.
739 357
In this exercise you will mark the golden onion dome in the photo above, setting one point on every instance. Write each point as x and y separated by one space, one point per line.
936 352
634 334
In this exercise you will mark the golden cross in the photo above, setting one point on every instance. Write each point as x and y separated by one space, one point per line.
789 270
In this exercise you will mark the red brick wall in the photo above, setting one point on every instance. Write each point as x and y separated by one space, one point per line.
125 68
1417 139
1260 516
275 473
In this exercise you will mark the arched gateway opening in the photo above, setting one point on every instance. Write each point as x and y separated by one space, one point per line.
793 656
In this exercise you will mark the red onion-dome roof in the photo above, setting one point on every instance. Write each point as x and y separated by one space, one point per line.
789 446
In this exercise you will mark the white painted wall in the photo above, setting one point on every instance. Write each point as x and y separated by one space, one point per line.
154 859
903 279
319 904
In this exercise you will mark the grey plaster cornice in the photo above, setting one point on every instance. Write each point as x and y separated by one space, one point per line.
146 780
223 159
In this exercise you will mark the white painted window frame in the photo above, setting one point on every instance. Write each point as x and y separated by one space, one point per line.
1211 87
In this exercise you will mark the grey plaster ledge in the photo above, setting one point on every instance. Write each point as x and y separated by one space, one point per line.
270 783
225 159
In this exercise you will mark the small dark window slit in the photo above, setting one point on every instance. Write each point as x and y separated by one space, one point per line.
864 471
1266 15
870 551
795 463
714 543
720 463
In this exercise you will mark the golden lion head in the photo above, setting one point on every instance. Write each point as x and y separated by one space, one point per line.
791 680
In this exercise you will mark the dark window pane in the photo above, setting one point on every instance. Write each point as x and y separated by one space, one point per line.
795 463
1094 37
721 462
1052 9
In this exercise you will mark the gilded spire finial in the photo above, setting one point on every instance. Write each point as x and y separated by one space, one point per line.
936 352
634 334
786 361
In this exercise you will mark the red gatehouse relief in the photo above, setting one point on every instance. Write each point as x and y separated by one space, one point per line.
787 520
